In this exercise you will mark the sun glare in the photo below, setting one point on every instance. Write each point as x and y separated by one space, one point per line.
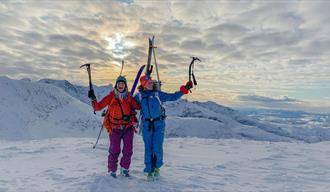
118 46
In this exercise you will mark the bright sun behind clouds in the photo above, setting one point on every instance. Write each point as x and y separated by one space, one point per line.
118 46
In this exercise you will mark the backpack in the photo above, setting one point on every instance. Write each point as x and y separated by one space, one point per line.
107 118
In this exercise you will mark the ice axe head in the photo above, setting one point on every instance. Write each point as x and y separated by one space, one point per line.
196 58
88 65
191 66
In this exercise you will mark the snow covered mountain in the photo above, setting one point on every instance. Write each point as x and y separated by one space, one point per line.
78 92
235 124
33 110
52 108
211 120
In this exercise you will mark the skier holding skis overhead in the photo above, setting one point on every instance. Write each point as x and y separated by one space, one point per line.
120 122
153 121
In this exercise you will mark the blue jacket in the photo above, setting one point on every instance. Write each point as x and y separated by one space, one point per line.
150 102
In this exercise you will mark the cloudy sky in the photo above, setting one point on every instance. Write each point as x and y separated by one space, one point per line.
272 54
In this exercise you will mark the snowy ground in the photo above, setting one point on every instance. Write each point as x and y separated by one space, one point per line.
191 164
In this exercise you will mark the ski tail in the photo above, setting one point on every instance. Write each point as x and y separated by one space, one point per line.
137 79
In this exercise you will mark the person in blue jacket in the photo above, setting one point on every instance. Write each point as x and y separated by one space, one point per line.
153 121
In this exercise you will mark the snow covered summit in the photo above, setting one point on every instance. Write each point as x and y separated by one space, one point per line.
32 110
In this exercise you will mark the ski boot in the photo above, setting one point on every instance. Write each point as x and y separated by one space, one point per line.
124 172
112 174
156 173
150 176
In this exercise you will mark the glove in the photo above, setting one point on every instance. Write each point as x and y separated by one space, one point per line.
189 85
185 88
91 95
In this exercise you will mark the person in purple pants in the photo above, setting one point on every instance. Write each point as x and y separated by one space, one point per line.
120 121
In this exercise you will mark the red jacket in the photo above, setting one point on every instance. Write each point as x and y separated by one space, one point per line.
121 112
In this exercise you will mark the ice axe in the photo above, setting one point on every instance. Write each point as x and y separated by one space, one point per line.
191 70
88 67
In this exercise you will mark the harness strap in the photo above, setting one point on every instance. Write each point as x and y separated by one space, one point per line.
121 108
125 116
152 122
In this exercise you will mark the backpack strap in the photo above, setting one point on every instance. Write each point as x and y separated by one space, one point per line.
121 108
157 96
140 97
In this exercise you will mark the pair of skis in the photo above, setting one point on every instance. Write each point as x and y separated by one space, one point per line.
149 66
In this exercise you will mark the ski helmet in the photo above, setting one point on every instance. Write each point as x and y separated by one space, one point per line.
145 79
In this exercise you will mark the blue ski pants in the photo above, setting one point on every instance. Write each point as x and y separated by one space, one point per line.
153 137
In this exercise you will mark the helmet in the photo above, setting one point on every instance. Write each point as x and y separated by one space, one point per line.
121 79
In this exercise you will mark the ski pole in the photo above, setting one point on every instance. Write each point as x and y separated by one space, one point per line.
104 112
97 140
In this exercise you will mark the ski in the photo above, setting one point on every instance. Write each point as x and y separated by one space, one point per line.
137 79
150 51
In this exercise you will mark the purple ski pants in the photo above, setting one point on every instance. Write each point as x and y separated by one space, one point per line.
114 150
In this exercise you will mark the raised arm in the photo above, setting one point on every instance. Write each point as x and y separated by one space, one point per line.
103 103
170 96
184 89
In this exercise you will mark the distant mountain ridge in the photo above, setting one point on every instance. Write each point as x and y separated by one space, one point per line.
57 108
211 120
78 92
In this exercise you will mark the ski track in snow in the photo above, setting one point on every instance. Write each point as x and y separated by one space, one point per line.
191 164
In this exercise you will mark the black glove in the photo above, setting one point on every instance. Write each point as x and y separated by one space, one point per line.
91 95
189 85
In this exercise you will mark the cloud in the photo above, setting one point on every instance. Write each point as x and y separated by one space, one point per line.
266 100
286 103
276 48
193 45
227 30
